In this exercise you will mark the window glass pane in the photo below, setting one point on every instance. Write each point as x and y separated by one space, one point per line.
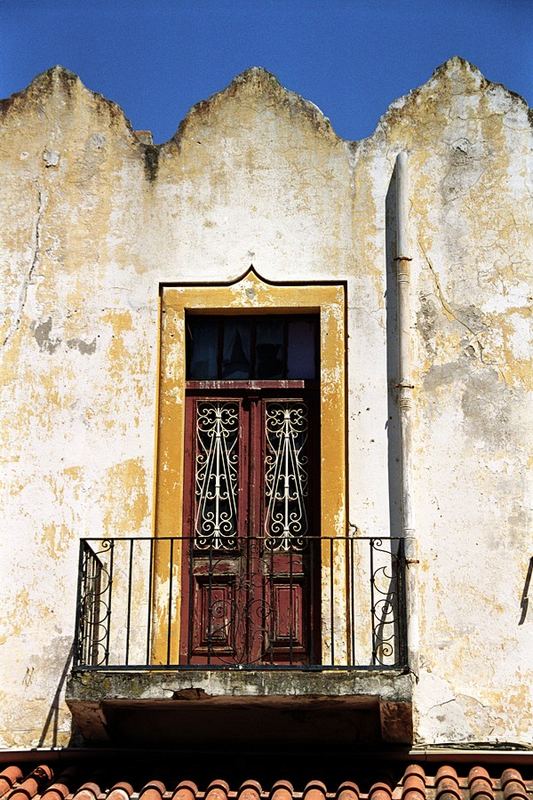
269 350
202 348
301 357
236 361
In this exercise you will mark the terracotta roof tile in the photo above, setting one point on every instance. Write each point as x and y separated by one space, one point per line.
217 790
447 784
347 791
250 790
380 791
87 791
56 791
480 784
8 777
153 790
414 783
121 791
315 790
32 785
512 784
282 790
185 790
40 784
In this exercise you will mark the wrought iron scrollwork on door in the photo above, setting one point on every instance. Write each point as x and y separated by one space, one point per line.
286 476
216 476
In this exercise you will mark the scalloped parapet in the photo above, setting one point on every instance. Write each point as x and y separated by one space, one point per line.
60 84
263 88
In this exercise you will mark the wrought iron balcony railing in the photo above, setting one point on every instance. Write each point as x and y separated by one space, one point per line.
179 603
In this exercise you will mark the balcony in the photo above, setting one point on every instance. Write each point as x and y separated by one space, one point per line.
316 625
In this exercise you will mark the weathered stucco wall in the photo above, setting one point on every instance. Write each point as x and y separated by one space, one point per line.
93 221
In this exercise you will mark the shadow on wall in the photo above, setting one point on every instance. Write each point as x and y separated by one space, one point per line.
50 726
393 369
524 600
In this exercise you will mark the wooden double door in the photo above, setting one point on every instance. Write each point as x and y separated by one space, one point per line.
250 559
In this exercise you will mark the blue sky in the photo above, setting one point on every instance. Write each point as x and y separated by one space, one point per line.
156 58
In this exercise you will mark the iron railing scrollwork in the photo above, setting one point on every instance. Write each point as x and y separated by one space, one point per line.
93 608
153 603
387 598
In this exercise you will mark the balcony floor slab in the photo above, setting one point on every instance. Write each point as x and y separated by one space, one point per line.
193 705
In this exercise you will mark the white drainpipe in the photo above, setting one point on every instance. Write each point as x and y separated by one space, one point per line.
405 399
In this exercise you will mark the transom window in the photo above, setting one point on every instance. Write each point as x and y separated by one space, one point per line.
245 347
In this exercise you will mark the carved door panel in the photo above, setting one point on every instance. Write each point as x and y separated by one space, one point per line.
249 566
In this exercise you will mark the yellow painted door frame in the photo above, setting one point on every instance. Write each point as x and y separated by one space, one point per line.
252 294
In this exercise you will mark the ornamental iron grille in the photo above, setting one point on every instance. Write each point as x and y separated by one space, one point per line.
286 477
216 479
93 608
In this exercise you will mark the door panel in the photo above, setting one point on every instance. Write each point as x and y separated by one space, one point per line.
248 566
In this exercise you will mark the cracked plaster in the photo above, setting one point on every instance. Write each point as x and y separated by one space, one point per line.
94 219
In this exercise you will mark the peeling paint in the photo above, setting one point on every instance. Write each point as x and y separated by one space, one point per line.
41 332
85 348
94 221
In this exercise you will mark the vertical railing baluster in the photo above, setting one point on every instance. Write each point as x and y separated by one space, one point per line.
149 619
94 610
401 605
89 611
110 598
91 655
351 589
170 590
245 620
332 601
190 544
291 631
78 639
272 606
128 612
372 604
310 614
209 605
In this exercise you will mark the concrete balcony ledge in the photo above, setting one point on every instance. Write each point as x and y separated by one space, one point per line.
345 705
223 685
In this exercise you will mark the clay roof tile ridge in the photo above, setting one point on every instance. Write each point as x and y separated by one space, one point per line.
87 791
56 791
513 785
8 777
153 790
380 791
120 791
315 790
414 783
217 790
282 790
185 790
32 784
480 784
347 791
414 769
250 790
447 784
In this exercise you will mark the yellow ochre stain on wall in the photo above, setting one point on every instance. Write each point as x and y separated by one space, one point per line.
125 499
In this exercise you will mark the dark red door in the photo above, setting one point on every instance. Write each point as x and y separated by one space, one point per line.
249 577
